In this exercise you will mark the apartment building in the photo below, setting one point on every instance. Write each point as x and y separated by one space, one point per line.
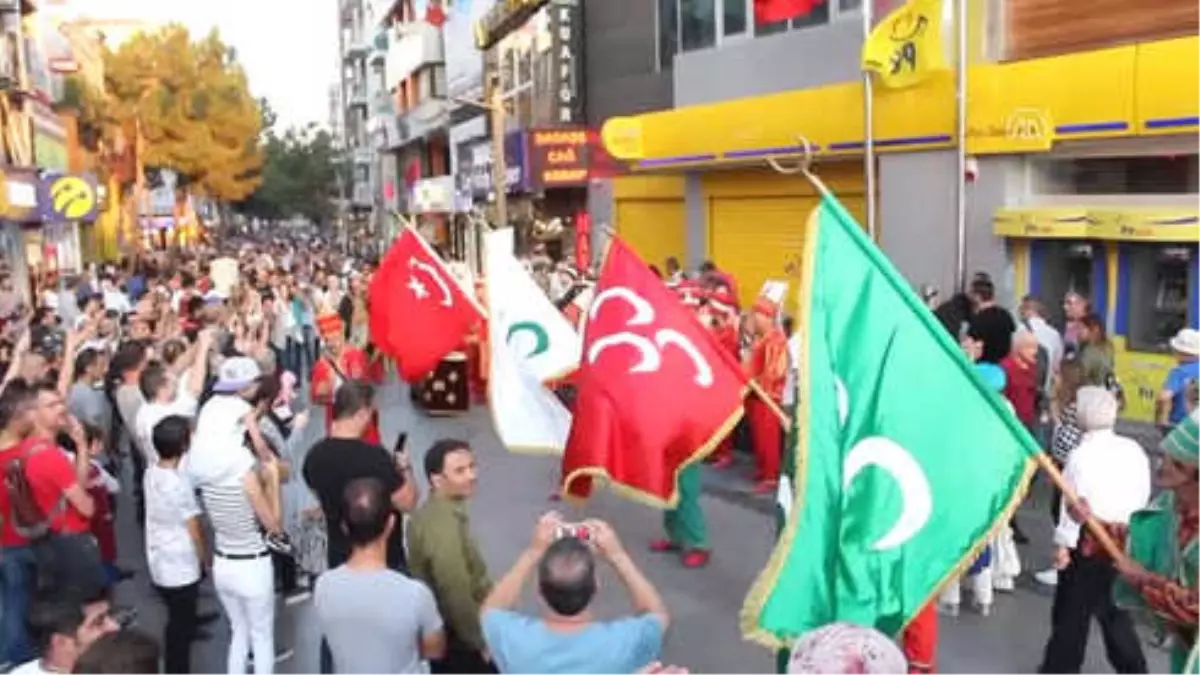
361 185
1080 135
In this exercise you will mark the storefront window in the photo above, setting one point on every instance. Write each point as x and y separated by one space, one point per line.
698 24
1066 267
1149 175
1159 277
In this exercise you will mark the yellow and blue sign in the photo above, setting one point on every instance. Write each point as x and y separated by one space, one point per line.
68 197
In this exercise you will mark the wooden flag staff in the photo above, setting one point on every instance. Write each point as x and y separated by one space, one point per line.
1097 529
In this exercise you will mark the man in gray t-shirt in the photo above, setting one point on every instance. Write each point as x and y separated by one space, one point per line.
375 620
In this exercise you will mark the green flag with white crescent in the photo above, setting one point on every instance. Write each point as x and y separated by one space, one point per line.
904 461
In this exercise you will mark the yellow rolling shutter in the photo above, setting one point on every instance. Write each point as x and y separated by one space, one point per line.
759 238
655 228
757 221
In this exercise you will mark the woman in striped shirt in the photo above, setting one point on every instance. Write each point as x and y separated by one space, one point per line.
241 496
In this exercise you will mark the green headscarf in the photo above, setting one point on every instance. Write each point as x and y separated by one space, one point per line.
1181 444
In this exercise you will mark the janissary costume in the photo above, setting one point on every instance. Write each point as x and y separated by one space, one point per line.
351 362
718 313
1162 539
686 529
767 365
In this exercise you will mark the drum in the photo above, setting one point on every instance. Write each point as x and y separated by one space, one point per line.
447 391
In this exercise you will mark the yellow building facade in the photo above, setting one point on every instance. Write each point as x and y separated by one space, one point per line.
1136 99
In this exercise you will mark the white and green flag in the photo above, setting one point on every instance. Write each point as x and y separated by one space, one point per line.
530 343
903 461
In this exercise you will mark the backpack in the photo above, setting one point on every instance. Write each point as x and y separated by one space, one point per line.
28 519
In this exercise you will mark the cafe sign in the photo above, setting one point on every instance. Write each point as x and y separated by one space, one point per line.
560 157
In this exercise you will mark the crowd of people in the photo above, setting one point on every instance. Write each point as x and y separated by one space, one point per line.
172 385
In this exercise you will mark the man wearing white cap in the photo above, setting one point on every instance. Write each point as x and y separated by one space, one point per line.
1172 406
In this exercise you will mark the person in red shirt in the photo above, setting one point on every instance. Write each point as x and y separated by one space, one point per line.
767 366
17 566
1021 377
70 556
340 360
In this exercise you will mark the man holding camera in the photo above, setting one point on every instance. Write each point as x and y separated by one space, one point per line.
567 638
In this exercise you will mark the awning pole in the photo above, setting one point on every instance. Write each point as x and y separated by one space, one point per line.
869 126
960 183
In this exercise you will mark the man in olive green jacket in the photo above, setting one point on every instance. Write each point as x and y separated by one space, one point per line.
443 554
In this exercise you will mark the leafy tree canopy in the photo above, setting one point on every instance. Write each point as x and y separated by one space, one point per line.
192 104
299 175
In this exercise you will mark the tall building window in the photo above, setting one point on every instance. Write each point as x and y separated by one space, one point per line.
734 16
697 24
687 25
668 32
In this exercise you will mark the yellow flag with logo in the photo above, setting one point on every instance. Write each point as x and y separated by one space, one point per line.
906 48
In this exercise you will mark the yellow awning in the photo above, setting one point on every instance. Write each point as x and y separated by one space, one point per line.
1046 223
1111 223
1146 224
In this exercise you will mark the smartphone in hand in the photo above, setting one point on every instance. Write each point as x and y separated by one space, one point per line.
400 449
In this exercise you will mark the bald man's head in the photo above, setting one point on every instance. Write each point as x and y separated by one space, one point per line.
567 576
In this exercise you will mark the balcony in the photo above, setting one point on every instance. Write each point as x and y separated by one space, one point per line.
356 95
361 195
414 125
355 44
363 154
412 46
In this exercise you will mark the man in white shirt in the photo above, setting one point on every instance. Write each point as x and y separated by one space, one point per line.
114 298
1033 315
1112 474
164 396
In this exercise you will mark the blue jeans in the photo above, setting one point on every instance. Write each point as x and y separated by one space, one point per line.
17 580
293 358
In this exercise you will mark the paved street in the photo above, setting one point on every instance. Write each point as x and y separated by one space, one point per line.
513 492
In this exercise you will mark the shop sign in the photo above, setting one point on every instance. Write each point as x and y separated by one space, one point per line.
1147 225
1022 130
559 157
22 197
566 43
1048 223
67 197
475 166
433 195
505 17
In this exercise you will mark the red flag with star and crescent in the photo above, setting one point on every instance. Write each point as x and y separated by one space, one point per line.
654 392
418 311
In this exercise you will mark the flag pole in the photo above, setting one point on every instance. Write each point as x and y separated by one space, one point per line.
960 185
869 125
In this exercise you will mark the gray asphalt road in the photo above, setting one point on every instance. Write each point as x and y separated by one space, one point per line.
705 603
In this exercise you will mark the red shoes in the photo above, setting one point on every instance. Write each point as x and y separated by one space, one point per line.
692 559
664 546
766 487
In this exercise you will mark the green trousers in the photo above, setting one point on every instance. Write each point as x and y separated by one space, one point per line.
685 524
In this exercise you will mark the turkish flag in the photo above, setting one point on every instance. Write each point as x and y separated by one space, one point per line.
774 11
655 391
418 311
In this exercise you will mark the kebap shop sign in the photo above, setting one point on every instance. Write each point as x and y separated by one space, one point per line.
560 157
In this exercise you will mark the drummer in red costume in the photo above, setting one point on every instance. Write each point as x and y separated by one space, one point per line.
718 313
352 362
767 366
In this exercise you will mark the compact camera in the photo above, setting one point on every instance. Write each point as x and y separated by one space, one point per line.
577 531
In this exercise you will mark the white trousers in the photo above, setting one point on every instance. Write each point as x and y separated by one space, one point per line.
247 592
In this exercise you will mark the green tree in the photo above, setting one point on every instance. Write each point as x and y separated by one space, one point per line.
299 176
193 107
